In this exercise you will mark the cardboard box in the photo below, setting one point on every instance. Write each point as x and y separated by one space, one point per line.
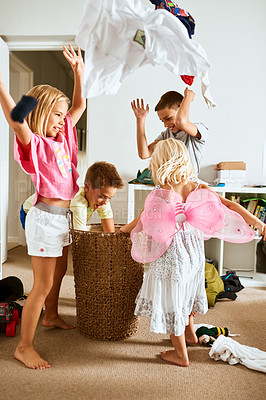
236 165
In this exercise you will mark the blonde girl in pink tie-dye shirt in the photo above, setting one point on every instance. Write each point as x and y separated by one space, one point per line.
46 149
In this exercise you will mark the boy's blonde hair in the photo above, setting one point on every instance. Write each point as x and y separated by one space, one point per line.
46 96
101 174
170 163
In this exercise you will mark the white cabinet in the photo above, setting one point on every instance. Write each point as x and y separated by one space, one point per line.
238 257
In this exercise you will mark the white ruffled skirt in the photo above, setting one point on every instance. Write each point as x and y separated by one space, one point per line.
174 286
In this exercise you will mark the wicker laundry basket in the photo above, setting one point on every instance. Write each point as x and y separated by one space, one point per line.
107 281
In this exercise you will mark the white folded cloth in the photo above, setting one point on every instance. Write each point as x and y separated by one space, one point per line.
227 349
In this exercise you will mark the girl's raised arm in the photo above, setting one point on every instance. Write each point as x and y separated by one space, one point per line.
248 217
21 130
77 64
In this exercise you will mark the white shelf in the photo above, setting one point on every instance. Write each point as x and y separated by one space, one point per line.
224 253
238 189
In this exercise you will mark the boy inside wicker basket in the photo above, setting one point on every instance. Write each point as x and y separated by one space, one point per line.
100 185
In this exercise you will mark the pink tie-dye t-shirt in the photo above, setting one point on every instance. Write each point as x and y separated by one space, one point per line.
52 163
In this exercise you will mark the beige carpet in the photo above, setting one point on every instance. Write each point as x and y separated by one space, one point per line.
130 369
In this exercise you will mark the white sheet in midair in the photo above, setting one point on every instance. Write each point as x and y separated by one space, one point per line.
106 34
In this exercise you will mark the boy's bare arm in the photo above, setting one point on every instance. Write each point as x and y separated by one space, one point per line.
141 112
108 225
182 120
21 130
144 150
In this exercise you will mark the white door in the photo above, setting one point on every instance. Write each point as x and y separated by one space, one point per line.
4 158
20 184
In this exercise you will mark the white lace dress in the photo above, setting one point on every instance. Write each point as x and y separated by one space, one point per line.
174 286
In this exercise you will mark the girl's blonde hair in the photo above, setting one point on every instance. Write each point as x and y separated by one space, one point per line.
170 163
47 96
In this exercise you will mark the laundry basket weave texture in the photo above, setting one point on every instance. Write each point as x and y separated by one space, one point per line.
107 281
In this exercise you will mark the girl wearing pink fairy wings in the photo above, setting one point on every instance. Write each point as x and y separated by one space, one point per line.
169 234
46 149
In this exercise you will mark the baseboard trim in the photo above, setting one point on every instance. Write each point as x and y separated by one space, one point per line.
12 239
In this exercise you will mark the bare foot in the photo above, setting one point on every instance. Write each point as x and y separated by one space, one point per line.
56 322
171 356
190 335
194 313
30 358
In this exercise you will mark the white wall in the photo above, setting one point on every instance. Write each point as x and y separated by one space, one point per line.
39 18
233 34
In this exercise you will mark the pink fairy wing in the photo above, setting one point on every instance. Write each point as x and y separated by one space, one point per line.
158 217
235 229
144 248
156 227
205 215
205 211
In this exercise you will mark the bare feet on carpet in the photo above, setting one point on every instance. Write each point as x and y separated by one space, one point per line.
171 356
30 358
190 335
56 322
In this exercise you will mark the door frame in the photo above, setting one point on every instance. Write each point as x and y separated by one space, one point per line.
4 162
39 43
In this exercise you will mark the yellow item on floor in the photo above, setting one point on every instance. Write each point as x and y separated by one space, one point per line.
214 283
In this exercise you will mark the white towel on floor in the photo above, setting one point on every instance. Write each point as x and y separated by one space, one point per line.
227 349
106 34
